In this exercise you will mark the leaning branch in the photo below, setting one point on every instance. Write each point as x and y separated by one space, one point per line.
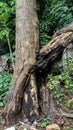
53 51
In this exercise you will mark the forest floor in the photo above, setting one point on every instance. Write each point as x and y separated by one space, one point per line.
63 123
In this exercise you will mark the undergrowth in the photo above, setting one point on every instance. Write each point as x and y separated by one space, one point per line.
61 86
5 83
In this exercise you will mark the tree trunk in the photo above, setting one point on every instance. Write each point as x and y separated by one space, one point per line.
27 45
23 93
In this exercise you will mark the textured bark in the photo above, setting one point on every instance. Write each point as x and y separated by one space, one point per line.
54 49
27 34
44 99
30 100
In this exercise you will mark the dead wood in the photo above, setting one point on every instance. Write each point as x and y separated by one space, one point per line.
54 49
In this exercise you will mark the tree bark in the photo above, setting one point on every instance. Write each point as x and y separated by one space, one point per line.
54 49
28 62
30 100
27 45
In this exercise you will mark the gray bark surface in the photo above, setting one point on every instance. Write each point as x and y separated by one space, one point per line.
27 44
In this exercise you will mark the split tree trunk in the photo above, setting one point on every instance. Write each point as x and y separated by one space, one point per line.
28 63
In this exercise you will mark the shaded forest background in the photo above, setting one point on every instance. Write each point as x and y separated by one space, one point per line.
53 15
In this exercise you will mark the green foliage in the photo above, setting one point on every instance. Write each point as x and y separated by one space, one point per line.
56 69
69 104
70 128
7 24
69 64
64 79
17 125
1 104
53 85
5 83
45 122
8 57
53 15
61 15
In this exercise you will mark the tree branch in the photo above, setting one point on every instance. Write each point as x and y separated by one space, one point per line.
53 51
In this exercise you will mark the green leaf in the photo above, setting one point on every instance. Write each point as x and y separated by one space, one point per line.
66 86
43 124
1 104
67 82
71 85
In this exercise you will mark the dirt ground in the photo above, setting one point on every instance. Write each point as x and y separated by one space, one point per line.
63 122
